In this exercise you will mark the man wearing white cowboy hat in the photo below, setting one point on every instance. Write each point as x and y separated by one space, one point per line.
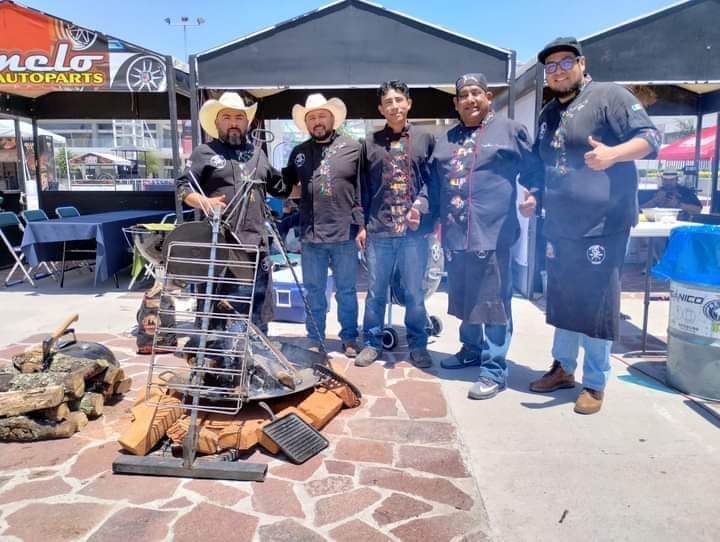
220 167
326 167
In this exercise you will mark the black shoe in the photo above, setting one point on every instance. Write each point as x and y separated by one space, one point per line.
421 358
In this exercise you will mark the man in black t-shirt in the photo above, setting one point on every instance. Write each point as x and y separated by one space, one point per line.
326 168
588 137
672 195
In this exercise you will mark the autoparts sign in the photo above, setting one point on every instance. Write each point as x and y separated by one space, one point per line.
39 53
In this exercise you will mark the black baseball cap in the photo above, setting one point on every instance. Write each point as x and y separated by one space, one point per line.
560 44
477 79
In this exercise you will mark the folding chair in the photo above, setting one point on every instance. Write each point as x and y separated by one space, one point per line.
70 212
38 215
9 220
66 212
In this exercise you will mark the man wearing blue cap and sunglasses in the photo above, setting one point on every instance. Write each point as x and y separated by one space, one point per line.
588 136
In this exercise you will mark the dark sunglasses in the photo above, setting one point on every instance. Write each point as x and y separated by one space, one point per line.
566 64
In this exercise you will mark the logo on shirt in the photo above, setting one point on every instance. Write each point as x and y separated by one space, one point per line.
217 161
596 254
636 107
542 130
300 159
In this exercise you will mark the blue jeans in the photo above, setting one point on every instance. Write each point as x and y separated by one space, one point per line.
409 254
596 365
491 341
342 258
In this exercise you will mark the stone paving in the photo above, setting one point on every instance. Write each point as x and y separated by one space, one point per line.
395 470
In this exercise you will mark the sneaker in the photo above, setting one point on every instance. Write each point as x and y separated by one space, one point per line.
350 349
464 358
421 358
555 379
589 401
485 388
366 356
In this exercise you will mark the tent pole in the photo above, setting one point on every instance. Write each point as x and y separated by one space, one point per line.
714 188
511 85
698 141
194 123
20 156
174 141
38 181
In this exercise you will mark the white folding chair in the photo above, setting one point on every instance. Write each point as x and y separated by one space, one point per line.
10 220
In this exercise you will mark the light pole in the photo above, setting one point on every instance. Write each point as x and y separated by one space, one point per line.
185 22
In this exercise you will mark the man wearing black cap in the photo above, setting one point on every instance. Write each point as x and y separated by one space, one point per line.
588 136
475 165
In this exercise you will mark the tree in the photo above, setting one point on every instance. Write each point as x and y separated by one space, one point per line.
153 164
61 164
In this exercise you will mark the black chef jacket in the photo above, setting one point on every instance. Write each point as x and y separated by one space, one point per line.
331 214
376 190
582 202
219 168
503 150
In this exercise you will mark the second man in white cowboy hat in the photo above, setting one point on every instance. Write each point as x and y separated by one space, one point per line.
326 167
220 167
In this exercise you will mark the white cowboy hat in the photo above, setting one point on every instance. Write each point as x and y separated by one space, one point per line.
315 102
228 100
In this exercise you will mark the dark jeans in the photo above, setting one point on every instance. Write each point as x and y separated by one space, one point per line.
409 254
342 258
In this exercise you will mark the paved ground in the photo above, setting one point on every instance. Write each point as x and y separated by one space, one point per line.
418 461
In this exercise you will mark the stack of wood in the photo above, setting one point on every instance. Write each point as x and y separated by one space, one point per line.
56 402
162 414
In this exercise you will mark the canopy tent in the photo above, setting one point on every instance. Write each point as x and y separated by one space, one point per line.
347 49
54 69
668 58
684 149
7 129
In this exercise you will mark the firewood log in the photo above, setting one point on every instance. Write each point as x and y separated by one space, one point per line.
91 405
55 414
73 382
13 403
25 429
150 422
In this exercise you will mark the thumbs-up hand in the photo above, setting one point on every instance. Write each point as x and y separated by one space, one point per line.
600 157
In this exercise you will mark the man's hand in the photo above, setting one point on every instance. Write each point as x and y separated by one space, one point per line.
360 238
527 207
412 219
600 157
197 201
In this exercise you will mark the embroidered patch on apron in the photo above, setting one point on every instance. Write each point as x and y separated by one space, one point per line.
596 254
300 159
549 250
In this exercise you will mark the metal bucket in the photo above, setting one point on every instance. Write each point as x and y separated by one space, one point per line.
693 354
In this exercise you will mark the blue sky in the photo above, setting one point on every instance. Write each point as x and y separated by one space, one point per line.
523 25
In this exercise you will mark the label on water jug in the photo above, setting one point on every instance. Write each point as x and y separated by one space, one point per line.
695 311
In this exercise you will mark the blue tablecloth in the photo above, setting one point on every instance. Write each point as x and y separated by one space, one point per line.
40 240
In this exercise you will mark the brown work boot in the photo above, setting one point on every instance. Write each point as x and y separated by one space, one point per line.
350 349
555 379
589 401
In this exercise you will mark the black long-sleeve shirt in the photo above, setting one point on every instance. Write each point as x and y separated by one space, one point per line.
580 202
220 168
476 169
384 207
330 209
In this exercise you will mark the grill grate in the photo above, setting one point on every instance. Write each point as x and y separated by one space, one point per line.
296 438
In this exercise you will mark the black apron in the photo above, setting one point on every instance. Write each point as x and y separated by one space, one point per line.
583 284
476 283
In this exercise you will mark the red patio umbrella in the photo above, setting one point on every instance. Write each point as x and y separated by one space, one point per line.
684 149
